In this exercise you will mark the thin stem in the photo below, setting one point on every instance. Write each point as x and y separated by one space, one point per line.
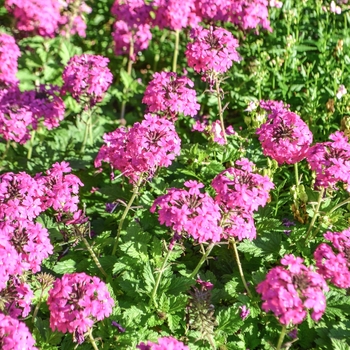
316 213
37 306
234 246
125 213
94 257
31 145
162 269
203 258
296 172
282 335
217 84
87 130
176 49
129 70
92 340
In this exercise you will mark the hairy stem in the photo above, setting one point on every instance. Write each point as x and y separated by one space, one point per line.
87 130
176 49
125 213
203 258
296 172
31 145
282 335
217 84
94 257
316 214
92 340
234 246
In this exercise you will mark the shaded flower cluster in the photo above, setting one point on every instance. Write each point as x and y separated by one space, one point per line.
333 262
76 301
190 212
14 334
292 290
9 53
212 50
168 93
87 78
331 160
240 191
142 149
165 343
284 137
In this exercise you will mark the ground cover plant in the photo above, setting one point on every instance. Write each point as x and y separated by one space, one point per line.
174 174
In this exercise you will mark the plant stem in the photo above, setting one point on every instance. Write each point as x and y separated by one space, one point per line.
37 306
296 172
176 49
282 335
92 340
217 84
316 213
234 246
203 258
31 145
129 70
125 213
87 130
162 269
94 257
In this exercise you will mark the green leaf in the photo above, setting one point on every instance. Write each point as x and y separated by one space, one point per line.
229 320
67 266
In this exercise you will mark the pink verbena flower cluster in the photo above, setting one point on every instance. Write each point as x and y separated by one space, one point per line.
175 14
9 53
38 16
190 212
168 93
15 335
76 301
132 26
20 112
211 50
333 263
87 78
209 10
165 343
331 161
240 191
290 292
284 137
142 149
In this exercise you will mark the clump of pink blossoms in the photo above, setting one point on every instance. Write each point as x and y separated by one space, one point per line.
76 301
292 290
142 149
87 78
284 137
15 335
9 53
211 51
165 343
168 93
240 191
333 263
331 161
190 212
36 16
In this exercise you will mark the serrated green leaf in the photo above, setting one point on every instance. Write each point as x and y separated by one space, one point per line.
66 266
229 320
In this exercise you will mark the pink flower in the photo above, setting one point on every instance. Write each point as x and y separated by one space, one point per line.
341 92
211 50
15 335
168 93
87 78
285 136
165 343
9 53
333 263
76 302
143 148
290 292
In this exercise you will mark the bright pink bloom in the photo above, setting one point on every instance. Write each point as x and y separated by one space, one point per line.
143 148
87 78
284 137
333 263
9 53
190 212
15 335
331 161
210 10
168 93
211 50
165 343
290 292
76 302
